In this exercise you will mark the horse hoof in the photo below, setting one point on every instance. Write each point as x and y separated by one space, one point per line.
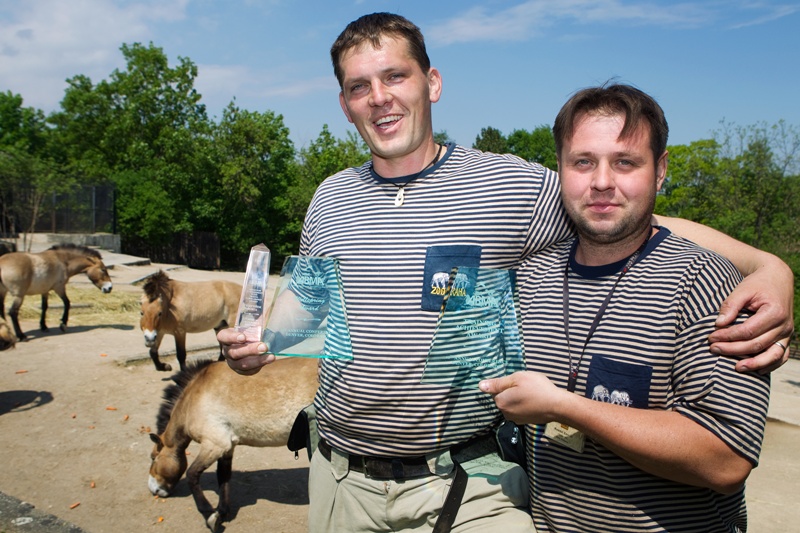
63 328
44 328
213 521
166 367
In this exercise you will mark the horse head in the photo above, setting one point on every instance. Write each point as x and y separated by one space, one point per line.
167 466
154 302
98 274
168 458
79 258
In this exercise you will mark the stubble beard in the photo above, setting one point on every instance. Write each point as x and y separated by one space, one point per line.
629 228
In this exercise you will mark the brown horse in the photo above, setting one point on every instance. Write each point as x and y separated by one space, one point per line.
24 273
220 409
177 308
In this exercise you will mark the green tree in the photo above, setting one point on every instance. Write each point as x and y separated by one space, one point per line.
537 146
254 158
324 156
28 170
689 190
141 130
442 137
491 140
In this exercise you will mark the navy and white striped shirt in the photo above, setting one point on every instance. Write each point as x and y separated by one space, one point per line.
650 350
499 205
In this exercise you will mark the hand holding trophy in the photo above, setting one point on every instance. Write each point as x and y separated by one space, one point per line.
307 317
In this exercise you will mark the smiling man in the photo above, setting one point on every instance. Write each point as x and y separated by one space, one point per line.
636 424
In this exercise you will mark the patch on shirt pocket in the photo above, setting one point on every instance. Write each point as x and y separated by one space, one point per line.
439 261
619 383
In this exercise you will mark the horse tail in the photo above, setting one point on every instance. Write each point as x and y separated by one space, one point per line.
173 392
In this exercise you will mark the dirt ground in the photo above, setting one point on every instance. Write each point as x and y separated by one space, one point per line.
76 409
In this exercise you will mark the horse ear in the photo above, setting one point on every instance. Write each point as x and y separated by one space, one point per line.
157 440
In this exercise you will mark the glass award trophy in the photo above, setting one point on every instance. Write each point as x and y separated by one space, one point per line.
250 318
308 316
477 335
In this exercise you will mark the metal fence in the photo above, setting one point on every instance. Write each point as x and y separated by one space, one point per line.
89 209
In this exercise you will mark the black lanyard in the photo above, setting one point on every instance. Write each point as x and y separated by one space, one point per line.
573 369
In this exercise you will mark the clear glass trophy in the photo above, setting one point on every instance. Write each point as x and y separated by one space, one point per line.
250 318
477 335
308 316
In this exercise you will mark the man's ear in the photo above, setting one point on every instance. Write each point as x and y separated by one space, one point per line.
434 85
661 169
344 107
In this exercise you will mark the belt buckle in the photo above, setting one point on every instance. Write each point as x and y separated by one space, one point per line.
383 469
372 469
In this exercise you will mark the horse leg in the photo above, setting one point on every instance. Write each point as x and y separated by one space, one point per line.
161 367
14 314
180 349
224 473
42 325
63 295
204 459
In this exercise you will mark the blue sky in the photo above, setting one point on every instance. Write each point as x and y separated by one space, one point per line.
506 64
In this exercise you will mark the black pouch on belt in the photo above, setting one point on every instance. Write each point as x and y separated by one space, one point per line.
304 432
511 443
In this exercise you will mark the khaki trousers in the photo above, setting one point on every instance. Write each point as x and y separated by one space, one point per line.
496 498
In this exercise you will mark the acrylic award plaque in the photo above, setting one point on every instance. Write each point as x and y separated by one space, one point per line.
477 335
308 316
250 318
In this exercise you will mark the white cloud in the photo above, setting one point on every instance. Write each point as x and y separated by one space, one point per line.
530 18
44 42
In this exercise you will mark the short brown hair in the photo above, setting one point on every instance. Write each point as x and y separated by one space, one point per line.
372 28
614 99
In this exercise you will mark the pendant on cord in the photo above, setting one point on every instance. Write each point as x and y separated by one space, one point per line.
398 200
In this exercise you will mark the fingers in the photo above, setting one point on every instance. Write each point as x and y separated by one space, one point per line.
248 366
243 356
767 361
496 385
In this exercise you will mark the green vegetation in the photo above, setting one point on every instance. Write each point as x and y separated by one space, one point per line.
145 131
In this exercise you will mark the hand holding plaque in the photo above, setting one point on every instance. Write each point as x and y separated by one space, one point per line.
308 316
477 335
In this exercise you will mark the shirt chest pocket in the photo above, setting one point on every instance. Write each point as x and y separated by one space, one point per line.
619 383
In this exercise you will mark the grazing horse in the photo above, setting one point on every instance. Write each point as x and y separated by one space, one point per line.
23 273
220 409
177 308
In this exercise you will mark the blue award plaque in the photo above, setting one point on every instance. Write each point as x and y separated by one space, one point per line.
308 316
477 335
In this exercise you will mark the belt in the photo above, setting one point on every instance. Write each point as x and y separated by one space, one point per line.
399 468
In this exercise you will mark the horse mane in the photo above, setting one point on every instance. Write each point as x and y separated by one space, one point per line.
156 285
70 247
174 391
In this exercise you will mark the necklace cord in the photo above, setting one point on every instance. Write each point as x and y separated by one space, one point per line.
399 199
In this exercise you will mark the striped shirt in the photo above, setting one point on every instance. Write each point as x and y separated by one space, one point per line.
498 204
650 350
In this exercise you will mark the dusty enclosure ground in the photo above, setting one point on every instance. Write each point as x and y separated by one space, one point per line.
76 409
